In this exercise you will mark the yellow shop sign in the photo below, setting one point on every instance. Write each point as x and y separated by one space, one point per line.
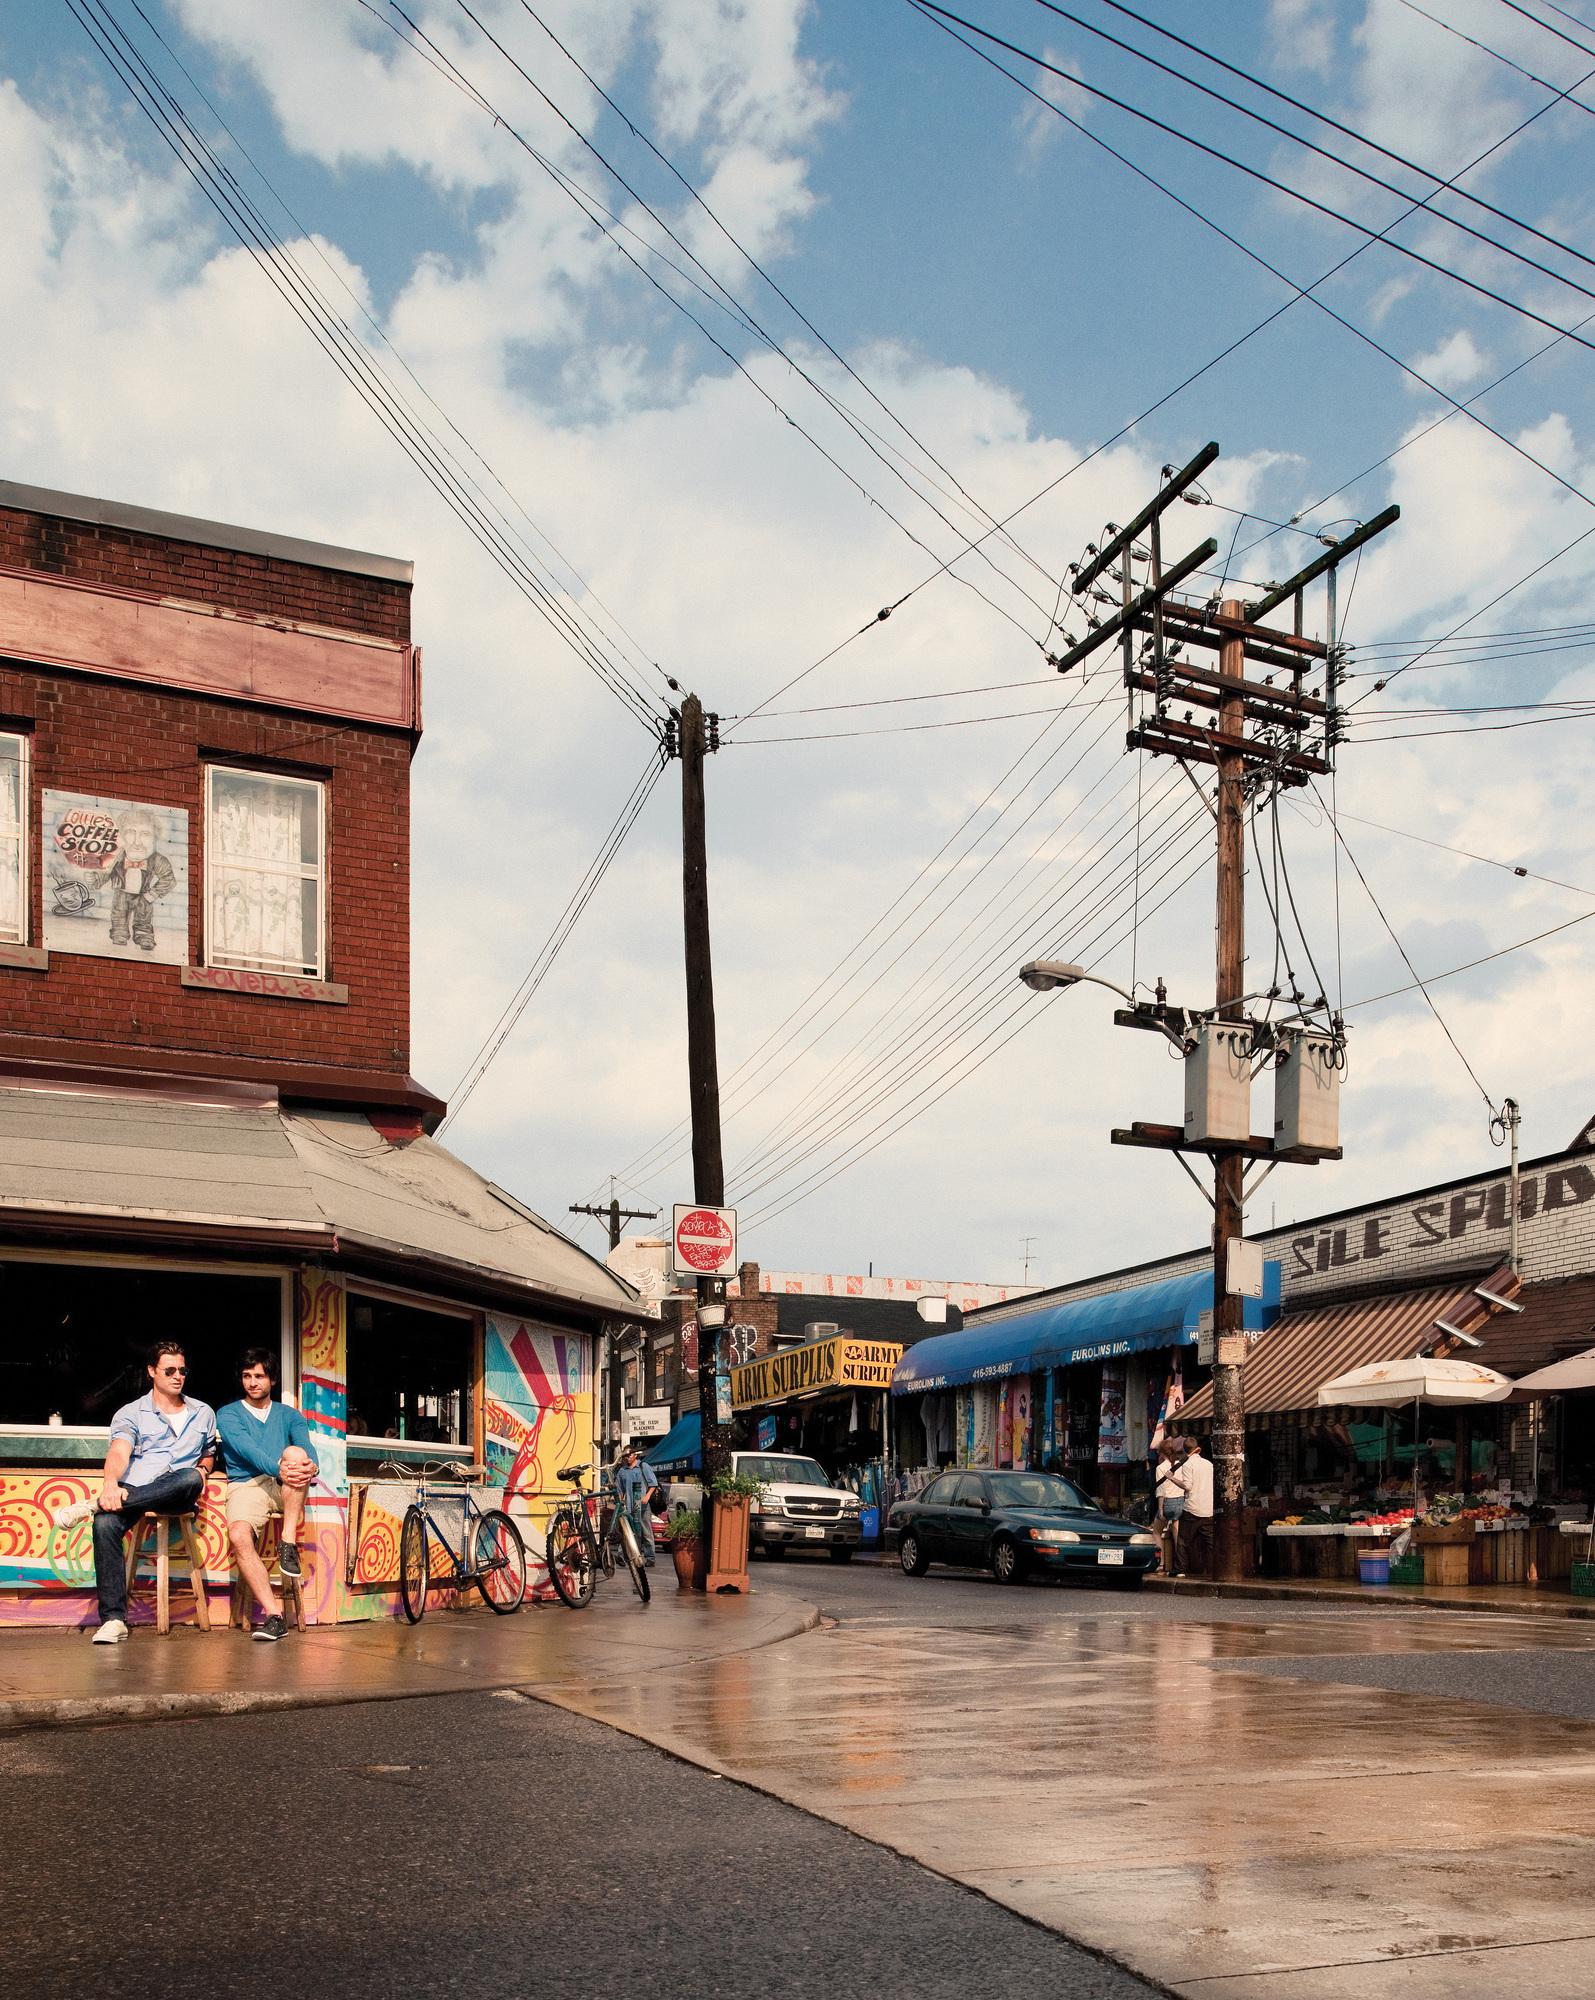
838 1363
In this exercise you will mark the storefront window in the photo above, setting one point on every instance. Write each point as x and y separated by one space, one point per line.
13 839
409 1374
76 1335
265 872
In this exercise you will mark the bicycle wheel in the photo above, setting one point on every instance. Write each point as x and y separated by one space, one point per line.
633 1555
500 1562
414 1564
606 1541
570 1562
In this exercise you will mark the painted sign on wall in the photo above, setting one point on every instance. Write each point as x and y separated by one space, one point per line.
838 1363
115 878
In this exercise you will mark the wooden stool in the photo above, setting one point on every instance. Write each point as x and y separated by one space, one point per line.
161 1526
241 1605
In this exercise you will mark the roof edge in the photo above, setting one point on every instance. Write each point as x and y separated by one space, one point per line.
208 534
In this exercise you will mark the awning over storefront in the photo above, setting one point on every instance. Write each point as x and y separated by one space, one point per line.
1288 1365
1167 1314
681 1448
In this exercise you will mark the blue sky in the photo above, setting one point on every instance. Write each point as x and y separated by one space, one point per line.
1016 296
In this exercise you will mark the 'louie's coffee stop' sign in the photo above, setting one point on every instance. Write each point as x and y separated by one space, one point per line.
704 1241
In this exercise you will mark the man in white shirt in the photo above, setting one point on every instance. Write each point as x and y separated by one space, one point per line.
1195 1480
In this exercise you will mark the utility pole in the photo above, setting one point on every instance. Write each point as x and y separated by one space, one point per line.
613 1215
694 737
1264 734
1027 1244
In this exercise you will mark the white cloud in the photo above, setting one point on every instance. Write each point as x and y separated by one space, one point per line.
1457 361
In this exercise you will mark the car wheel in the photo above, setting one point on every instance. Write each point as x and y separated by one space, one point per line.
1006 1563
911 1555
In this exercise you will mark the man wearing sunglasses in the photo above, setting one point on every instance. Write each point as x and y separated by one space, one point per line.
163 1448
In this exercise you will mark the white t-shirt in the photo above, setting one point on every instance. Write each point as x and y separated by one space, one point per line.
1195 1480
262 1415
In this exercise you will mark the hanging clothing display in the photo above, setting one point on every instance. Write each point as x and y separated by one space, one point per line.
1111 1444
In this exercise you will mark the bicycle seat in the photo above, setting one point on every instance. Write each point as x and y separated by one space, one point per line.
571 1472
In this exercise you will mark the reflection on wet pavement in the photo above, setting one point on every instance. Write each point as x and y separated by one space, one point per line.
1232 1833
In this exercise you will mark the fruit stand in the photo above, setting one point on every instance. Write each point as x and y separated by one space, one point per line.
1318 1544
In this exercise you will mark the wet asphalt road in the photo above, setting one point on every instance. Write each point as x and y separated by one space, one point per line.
478 1844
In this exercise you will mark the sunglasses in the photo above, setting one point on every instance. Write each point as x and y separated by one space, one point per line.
172 1370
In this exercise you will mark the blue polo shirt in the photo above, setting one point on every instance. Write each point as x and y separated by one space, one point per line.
161 1444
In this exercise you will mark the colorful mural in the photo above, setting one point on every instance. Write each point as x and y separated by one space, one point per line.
538 1397
47 1573
324 1398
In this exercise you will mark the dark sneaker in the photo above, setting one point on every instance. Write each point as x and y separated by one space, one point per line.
288 1562
273 1629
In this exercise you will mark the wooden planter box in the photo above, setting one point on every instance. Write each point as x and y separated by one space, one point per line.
728 1546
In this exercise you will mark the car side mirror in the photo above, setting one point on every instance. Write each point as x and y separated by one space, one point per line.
985 1506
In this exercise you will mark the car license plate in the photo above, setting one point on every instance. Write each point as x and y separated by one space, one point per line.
815 1534
1111 1556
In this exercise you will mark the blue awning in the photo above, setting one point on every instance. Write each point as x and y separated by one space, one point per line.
1166 1314
680 1449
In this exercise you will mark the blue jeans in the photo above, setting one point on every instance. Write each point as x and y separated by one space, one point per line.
171 1493
637 1513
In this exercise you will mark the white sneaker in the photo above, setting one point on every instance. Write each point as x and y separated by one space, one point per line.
111 1633
80 1510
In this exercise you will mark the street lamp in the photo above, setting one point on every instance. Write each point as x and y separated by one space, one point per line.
1052 975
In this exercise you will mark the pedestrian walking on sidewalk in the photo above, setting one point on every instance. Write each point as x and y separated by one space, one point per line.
635 1479
163 1449
1170 1505
1195 1480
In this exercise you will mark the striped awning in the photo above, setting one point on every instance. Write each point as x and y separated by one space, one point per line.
1302 1350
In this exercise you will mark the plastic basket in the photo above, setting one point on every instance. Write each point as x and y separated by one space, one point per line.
1406 1569
1373 1565
1584 1579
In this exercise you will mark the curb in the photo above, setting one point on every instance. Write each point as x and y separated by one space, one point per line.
1389 1597
22 1713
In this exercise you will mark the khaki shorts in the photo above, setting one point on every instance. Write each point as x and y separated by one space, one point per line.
253 1501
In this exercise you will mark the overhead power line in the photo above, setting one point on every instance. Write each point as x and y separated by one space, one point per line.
564 924
349 355
1485 49
1457 277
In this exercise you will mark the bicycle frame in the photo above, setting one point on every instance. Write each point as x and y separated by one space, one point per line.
471 1513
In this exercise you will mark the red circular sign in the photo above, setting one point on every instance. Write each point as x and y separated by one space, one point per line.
703 1240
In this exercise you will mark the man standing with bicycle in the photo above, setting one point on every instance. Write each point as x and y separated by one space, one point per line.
635 1479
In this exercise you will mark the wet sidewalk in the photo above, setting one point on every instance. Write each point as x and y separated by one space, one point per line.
1511 1600
55 1678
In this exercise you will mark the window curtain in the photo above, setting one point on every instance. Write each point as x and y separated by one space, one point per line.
259 911
11 886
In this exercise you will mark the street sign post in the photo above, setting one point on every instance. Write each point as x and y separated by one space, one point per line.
703 1241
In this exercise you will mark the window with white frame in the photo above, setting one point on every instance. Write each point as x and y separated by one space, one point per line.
13 838
265 872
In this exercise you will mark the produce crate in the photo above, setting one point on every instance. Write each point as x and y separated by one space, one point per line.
1584 1579
1409 1568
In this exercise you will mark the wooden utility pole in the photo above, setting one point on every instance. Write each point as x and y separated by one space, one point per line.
613 1215
1229 1167
703 1067
1257 735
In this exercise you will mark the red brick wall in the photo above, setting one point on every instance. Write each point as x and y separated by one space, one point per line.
88 553
132 742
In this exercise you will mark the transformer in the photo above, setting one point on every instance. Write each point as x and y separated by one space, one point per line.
1218 1083
1307 1095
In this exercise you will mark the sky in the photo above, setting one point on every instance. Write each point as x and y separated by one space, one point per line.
923 302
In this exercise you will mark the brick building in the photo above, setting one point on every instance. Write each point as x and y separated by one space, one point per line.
208 1123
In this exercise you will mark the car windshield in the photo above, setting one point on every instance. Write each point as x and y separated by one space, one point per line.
783 1471
1038 1489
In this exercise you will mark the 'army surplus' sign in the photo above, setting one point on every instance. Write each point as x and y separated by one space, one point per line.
838 1363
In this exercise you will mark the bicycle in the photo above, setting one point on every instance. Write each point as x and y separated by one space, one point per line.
488 1537
576 1552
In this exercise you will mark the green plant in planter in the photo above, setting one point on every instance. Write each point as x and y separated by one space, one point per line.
735 1486
684 1526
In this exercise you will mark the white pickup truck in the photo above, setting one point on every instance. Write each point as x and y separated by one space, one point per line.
799 1507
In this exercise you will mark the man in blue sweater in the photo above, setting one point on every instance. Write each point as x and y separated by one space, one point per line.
270 1464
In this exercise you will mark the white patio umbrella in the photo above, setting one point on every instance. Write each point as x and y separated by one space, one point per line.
1415 1379
1576 1372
